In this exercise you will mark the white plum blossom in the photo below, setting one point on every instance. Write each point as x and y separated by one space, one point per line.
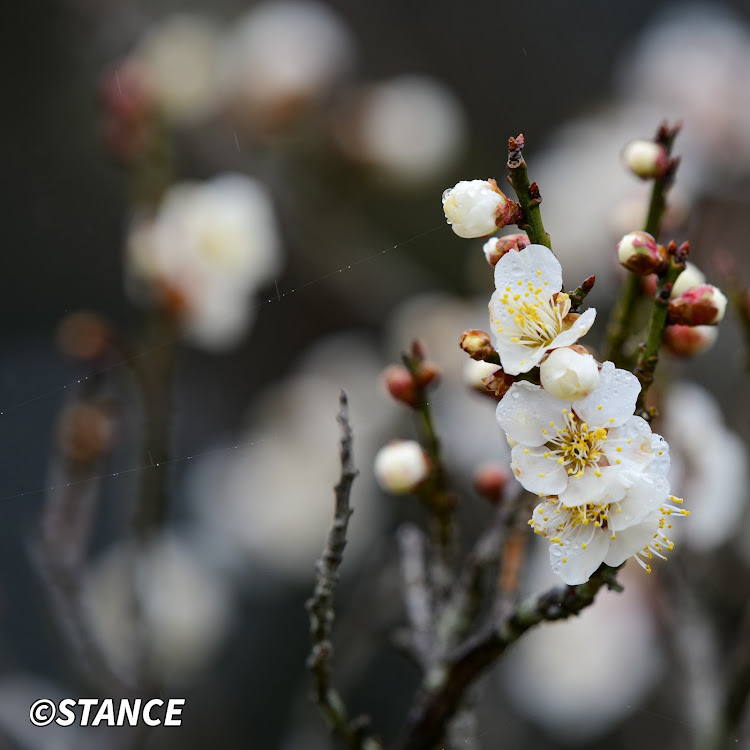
208 248
569 374
474 208
529 314
400 466
600 469
692 276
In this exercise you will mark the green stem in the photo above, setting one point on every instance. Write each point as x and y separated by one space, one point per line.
649 356
623 316
527 193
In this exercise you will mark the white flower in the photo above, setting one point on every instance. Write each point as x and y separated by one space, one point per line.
710 465
568 374
209 246
281 56
601 468
528 313
410 127
400 466
180 59
474 208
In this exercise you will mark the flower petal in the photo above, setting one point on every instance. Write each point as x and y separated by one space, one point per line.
517 358
630 541
613 402
573 561
534 263
608 486
526 411
643 498
538 472
630 445
579 328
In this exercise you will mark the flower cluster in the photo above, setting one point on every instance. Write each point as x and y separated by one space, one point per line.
599 471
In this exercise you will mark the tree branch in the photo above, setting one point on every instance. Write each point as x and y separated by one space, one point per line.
320 606
528 194
443 690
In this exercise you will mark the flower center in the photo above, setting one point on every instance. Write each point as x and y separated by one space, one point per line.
538 318
575 445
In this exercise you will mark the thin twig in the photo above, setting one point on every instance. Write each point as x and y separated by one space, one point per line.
320 606
443 690
417 594
648 357
527 193
621 321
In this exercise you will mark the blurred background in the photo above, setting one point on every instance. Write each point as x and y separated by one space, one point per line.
316 138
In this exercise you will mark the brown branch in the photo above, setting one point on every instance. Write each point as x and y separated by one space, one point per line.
442 692
320 606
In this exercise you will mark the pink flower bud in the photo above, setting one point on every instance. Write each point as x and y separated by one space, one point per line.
646 159
496 247
400 384
640 253
490 480
702 305
401 466
689 341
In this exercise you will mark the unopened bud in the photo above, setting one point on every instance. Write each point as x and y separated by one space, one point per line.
496 247
646 159
568 374
476 208
702 305
401 466
640 253
400 384
85 432
689 341
476 371
690 277
84 335
499 382
428 373
477 344
490 480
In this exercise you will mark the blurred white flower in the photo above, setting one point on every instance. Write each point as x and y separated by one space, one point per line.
208 248
272 499
183 610
692 276
281 56
693 63
709 465
409 127
558 676
400 466
179 58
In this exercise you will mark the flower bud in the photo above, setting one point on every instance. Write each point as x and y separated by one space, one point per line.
85 335
689 341
477 344
476 371
568 374
490 480
690 277
475 208
400 384
85 432
401 466
428 373
646 159
702 305
496 247
640 253
499 382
